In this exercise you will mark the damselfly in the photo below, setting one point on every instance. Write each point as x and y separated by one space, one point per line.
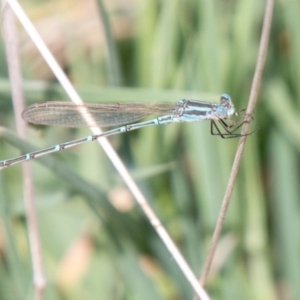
102 114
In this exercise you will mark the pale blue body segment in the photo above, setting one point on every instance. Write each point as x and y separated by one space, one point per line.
89 115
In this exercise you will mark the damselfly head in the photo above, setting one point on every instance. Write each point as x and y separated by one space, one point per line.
226 101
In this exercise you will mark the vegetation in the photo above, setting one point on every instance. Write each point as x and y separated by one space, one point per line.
96 243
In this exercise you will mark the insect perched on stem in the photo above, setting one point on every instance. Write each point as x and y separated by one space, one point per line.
124 115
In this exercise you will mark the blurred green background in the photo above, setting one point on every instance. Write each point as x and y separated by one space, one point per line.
96 243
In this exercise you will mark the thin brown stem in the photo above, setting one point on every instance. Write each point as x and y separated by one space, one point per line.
11 48
237 160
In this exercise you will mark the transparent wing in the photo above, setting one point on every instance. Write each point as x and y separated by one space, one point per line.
97 114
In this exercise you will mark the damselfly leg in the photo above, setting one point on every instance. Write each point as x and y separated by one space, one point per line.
230 126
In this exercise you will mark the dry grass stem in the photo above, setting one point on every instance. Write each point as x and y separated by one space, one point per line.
237 160
141 200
